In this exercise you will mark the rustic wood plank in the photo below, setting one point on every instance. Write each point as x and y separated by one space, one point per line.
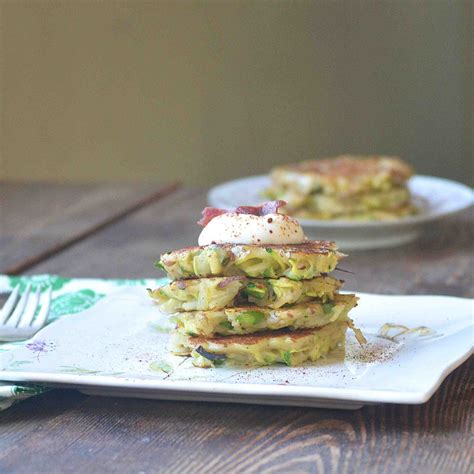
128 250
38 220
440 262
67 432
84 434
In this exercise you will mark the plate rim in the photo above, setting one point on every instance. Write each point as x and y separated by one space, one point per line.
243 390
238 390
345 224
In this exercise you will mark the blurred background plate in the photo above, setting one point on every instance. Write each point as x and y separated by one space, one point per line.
436 197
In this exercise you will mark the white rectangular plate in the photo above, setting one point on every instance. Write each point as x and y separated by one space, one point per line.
119 347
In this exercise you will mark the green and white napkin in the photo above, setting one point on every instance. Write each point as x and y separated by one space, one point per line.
70 296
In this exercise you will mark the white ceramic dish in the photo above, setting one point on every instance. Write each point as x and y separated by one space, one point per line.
436 197
118 347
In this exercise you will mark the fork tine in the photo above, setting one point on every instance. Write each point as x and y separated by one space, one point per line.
9 304
30 310
42 317
20 307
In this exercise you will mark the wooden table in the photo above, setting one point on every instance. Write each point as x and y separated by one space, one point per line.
118 231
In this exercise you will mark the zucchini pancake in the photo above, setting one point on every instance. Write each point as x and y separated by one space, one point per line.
344 187
254 292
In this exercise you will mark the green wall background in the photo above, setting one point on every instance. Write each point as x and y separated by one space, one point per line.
206 91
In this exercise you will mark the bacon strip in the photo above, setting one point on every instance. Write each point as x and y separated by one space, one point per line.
208 213
269 207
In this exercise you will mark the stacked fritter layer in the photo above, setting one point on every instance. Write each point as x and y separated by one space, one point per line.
345 187
254 304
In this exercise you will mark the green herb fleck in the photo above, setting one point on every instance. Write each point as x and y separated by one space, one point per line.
286 356
226 325
257 291
328 307
250 318
161 366
162 329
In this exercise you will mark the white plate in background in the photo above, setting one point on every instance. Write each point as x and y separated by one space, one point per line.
436 197
119 348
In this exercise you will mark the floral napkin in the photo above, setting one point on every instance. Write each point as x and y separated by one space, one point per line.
70 296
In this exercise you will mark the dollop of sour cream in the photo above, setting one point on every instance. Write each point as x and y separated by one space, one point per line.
233 228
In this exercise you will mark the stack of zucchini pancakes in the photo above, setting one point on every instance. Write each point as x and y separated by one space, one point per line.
254 303
345 187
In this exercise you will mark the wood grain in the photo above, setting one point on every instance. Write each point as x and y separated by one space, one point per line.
68 432
41 220
440 262
128 249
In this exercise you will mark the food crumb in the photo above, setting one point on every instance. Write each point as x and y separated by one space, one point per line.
370 353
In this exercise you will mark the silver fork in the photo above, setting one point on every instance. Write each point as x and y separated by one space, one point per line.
17 317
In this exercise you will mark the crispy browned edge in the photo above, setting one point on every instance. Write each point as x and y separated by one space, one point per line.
321 247
249 339
352 166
